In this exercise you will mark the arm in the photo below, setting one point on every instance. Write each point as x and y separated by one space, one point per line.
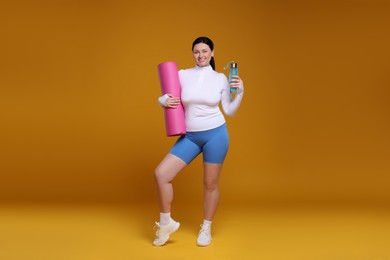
230 105
167 100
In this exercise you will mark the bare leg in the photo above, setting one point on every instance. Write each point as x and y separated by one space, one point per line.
211 189
164 174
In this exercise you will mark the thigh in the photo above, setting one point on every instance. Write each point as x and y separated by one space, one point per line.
215 150
211 174
169 167
185 149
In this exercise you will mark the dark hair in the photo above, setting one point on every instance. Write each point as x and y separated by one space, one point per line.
210 43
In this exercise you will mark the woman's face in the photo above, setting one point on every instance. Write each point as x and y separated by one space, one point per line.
202 54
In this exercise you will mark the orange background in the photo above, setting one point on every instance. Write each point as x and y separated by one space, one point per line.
79 87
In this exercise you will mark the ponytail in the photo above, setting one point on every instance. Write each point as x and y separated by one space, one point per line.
212 63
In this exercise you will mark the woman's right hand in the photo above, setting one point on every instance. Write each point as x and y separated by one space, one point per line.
172 102
169 101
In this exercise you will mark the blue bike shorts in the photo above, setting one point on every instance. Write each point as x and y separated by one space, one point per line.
213 143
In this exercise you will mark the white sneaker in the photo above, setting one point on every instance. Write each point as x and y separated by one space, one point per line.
204 237
163 232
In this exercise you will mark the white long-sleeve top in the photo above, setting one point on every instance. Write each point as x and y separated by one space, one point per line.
202 89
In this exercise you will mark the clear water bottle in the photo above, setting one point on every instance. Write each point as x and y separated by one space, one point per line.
232 72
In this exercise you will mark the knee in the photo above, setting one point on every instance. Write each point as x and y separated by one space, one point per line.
160 175
210 186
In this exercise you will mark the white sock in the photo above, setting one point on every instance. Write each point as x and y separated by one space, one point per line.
206 223
165 218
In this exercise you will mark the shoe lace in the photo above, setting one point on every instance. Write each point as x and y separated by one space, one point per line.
204 230
157 228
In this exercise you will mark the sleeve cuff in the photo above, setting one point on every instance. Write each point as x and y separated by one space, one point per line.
163 100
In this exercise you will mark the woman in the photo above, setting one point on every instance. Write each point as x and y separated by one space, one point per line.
202 89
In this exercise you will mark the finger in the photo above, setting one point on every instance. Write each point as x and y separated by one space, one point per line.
235 85
173 100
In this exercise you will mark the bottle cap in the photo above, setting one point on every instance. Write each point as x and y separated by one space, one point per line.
233 64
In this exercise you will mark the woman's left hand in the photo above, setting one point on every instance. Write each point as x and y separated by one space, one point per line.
236 82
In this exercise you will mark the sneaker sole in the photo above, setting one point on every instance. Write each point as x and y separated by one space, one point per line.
202 245
174 230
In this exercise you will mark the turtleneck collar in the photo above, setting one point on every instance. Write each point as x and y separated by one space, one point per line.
206 68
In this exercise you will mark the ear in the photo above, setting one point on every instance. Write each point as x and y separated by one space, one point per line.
212 54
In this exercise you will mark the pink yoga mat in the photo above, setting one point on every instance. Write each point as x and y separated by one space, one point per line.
170 84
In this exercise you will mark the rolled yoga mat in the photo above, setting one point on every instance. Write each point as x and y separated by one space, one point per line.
170 84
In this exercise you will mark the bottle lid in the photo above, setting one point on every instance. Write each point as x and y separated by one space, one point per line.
233 64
